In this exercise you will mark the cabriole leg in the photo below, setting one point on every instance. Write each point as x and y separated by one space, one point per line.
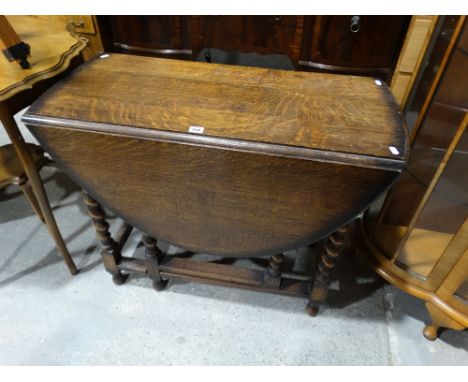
110 253
439 319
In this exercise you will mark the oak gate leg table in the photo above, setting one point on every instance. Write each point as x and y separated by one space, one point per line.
237 162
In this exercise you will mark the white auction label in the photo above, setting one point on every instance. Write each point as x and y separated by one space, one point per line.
394 150
196 129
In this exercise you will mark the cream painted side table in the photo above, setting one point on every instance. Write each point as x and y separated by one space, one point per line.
54 52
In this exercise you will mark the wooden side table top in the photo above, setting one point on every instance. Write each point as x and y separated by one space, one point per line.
51 52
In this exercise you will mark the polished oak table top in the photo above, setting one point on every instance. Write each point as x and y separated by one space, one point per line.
333 113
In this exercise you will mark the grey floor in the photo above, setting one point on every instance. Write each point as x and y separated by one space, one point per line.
50 318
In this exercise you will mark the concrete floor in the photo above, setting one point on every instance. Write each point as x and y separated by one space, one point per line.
51 318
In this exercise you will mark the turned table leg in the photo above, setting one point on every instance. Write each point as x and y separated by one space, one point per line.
31 198
110 252
153 255
30 169
273 271
326 264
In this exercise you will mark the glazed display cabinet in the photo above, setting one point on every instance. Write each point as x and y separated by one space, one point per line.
417 237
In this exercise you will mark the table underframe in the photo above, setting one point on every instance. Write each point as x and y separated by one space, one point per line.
161 267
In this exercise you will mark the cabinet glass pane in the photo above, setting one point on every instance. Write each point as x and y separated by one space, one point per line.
446 208
442 216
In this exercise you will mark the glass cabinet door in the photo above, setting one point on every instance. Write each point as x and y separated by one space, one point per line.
429 203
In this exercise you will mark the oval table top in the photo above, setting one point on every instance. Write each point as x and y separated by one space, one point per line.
280 159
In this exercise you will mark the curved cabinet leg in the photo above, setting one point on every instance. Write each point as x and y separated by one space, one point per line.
153 254
36 183
439 320
326 264
110 253
431 332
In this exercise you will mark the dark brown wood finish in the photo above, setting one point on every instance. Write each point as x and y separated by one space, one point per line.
110 251
260 34
278 159
218 192
153 35
153 258
220 201
353 44
282 108
365 45
327 262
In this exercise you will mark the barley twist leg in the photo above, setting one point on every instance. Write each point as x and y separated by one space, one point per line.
326 264
110 253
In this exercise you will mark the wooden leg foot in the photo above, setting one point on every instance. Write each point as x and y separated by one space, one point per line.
119 278
439 319
431 332
153 255
312 310
159 285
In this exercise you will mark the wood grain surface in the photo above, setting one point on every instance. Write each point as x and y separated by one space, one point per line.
335 113
223 202
52 49
285 158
